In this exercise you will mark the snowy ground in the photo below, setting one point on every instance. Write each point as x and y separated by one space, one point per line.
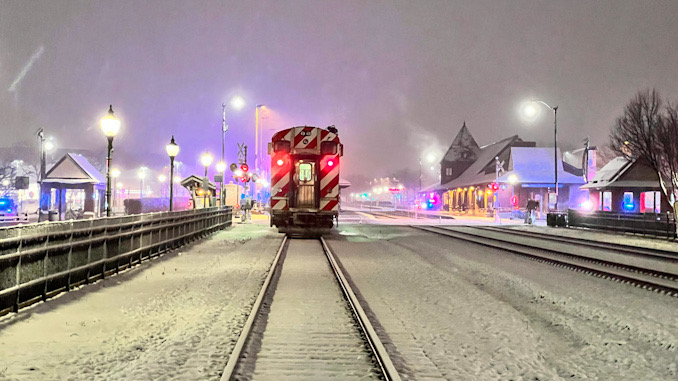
446 309
177 317
474 314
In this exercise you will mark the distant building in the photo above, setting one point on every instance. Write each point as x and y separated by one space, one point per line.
521 171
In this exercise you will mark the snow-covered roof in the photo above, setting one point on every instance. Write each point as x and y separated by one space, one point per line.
475 173
611 176
535 165
74 168
606 175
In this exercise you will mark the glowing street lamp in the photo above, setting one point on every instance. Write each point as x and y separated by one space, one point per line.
172 151
110 125
237 103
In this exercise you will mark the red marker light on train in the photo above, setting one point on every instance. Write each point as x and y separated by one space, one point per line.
280 162
330 163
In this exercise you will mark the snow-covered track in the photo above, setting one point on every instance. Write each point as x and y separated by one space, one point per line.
666 255
302 326
652 273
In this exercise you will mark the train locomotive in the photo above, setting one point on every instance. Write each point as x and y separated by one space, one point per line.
305 179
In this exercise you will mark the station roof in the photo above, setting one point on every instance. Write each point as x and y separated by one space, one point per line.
535 165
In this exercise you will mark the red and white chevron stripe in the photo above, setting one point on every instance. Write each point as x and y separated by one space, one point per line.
305 138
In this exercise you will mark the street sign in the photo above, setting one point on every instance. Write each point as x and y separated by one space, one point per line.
218 178
21 182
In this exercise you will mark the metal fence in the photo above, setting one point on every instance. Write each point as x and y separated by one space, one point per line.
38 261
660 224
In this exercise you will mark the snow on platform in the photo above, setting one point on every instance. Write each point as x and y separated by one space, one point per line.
176 317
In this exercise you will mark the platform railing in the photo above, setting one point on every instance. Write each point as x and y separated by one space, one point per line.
659 224
40 260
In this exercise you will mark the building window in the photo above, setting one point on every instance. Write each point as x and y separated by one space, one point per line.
448 171
628 204
650 202
607 201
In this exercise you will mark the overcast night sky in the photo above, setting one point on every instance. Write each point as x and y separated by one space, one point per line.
393 76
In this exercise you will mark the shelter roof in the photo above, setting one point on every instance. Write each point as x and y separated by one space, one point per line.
195 181
616 174
74 169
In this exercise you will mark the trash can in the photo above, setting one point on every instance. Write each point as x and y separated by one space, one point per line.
43 215
561 220
53 215
551 219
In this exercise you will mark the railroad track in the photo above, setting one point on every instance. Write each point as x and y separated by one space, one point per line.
307 323
667 255
656 273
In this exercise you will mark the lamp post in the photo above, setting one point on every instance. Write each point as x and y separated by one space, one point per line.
141 174
45 146
161 179
115 173
110 125
172 151
555 144
205 160
221 169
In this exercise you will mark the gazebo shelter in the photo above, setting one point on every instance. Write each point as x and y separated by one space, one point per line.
201 198
73 188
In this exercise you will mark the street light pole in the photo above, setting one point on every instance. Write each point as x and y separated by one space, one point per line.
555 152
224 128
172 151
110 125
555 147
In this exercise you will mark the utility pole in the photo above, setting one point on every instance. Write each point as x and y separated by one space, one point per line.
224 128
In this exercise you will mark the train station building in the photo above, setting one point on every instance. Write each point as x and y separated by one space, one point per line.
502 175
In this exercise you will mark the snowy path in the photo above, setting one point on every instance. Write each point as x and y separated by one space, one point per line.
175 318
471 313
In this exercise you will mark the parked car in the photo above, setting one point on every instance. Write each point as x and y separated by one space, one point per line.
7 207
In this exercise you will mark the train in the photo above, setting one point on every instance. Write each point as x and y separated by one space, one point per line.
305 164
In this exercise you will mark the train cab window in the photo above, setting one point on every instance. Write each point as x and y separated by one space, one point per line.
281 146
305 172
328 148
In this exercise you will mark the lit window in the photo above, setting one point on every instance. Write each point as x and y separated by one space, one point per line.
607 201
448 171
305 172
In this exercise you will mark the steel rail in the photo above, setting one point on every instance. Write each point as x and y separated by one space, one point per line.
376 346
667 255
585 264
386 365
249 323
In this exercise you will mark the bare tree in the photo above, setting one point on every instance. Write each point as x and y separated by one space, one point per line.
648 131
